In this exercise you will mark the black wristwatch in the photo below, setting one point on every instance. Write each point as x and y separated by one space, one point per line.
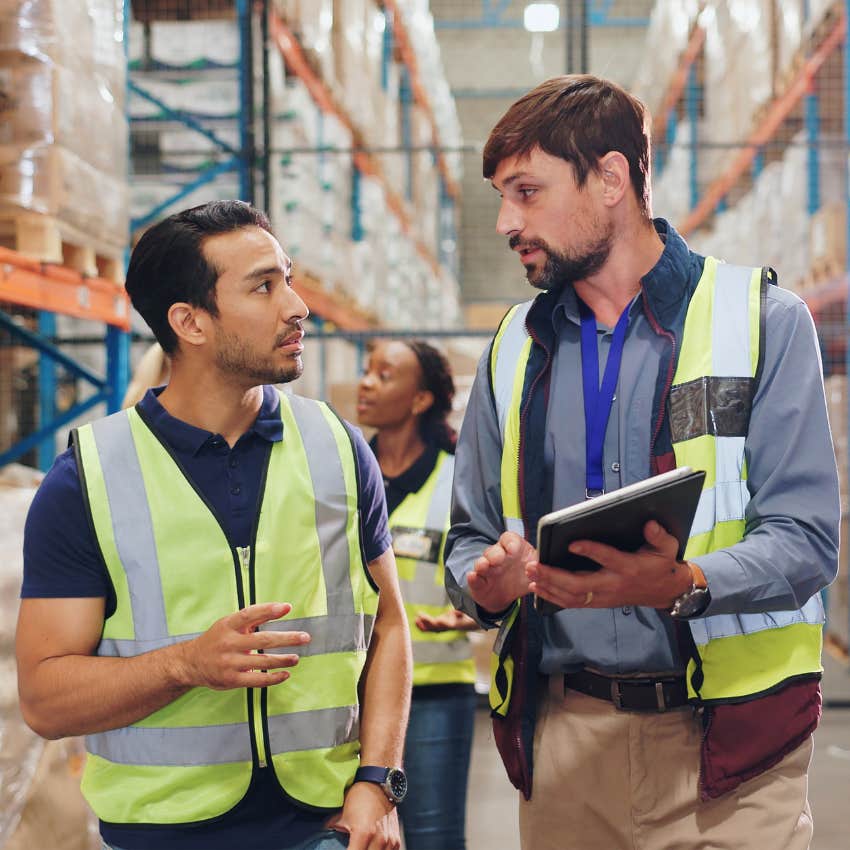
393 780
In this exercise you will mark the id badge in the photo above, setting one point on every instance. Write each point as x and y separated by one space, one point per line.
420 544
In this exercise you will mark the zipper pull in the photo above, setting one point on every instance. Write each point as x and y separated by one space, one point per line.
245 557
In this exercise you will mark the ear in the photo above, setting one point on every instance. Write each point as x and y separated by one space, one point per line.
615 177
421 402
190 324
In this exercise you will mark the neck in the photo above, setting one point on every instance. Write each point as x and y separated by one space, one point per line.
633 253
206 399
399 447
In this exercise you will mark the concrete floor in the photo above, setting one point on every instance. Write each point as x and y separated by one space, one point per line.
492 810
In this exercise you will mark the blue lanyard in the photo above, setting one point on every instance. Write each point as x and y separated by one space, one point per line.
598 400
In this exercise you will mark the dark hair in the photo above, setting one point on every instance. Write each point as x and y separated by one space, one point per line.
578 118
437 379
168 263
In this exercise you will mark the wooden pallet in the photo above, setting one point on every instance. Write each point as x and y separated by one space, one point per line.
50 240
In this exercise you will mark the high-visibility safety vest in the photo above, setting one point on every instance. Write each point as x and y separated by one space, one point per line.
418 527
174 574
741 656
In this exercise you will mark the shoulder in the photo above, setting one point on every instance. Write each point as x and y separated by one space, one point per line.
367 463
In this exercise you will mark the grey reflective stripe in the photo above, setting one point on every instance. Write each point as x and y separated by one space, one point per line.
515 524
721 503
225 744
711 405
422 589
705 629
330 498
340 633
441 497
113 647
175 746
441 652
132 526
507 360
314 730
730 344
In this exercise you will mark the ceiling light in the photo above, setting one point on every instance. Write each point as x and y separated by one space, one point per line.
541 17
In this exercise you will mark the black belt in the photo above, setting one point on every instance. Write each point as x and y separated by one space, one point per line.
631 694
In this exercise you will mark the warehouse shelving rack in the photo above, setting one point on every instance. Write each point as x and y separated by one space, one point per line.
364 162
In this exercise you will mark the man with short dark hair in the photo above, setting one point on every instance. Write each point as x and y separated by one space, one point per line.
209 592
668 703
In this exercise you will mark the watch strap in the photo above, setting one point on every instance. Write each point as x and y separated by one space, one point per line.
370 773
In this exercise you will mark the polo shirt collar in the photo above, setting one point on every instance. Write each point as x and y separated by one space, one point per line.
188 439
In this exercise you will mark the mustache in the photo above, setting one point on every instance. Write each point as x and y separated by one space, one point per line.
516 242
292 329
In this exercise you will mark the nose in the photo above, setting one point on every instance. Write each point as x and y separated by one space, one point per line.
509 220
366 379
293 307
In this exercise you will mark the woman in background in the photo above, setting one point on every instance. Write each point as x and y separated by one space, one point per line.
406 394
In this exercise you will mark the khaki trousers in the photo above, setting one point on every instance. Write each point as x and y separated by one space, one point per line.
614 780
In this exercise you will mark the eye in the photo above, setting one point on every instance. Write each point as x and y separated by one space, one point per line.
264 287
527 193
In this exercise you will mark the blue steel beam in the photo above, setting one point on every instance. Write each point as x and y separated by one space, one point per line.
30 442
205 176
41 345
182 117
46 389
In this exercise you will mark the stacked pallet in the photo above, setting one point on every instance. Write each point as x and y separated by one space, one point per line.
63 136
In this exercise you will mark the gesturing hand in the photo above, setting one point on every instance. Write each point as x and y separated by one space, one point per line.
370 820
499 577
448 621
228 654
652 576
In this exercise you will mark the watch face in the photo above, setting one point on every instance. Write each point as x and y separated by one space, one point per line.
694 604
397 782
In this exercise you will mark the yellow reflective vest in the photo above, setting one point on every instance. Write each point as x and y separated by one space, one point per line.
418 527
739 657
175 574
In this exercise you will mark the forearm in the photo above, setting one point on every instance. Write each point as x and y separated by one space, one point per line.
81 694
385 691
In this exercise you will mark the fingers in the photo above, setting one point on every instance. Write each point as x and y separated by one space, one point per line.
659 539
254 615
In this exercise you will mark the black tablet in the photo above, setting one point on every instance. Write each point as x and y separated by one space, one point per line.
618 518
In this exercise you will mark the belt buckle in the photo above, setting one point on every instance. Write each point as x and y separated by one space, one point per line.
616 696
660 700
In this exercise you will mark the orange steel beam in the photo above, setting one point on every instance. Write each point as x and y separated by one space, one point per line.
291 50
408 56
777 113
58 289
324 305
678 82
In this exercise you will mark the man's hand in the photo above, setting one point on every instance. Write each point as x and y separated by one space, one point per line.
651 577
499 576
448 621
227 655
369 818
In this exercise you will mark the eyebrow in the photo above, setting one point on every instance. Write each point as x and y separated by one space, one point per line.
269 270
512 179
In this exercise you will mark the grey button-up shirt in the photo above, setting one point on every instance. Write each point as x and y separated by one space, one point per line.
790 548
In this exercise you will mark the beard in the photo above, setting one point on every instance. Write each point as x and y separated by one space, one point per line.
235 357
561 269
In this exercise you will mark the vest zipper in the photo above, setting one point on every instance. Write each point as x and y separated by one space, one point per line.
255 693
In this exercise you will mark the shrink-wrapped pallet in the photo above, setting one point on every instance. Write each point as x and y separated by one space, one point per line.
63 134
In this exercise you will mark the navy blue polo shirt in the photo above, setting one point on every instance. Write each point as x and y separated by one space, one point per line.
62 560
